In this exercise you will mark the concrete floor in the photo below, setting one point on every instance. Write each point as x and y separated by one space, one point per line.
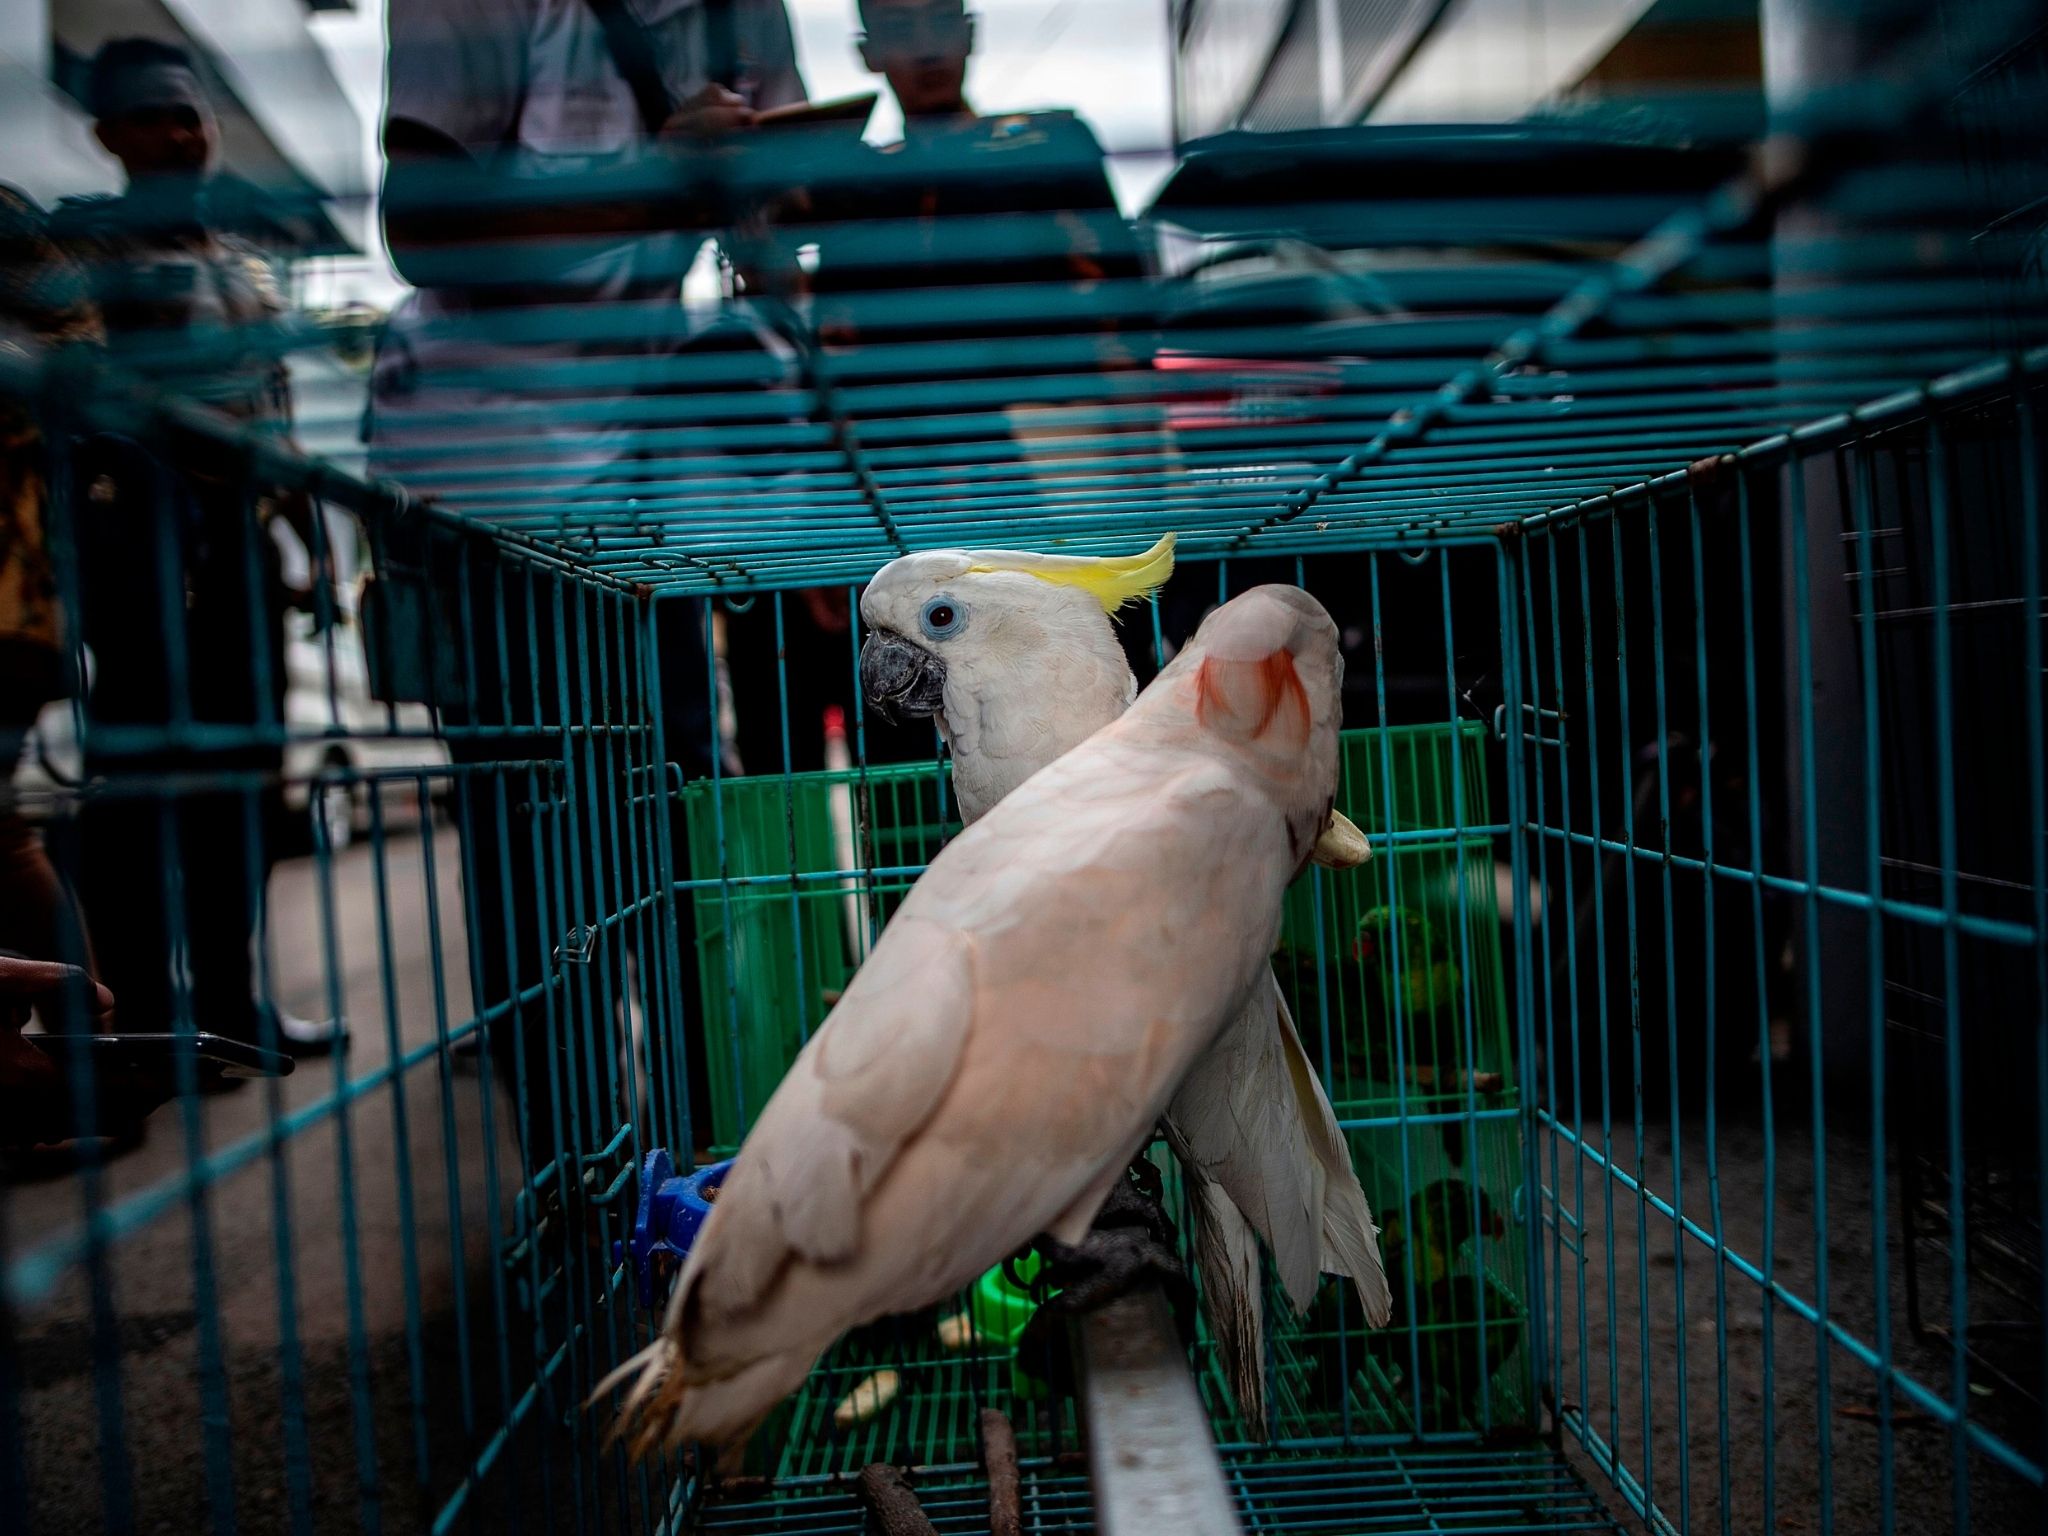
1665 1419
288 1368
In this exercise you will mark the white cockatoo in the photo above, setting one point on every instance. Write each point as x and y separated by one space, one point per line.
1016 657
1020 1027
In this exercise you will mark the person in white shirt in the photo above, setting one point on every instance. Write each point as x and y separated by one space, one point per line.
545 192
507 121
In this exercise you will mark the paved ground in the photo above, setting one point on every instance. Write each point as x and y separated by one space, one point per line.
401 1209
1761 1481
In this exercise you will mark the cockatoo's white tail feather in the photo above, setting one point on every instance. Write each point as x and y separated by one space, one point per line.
1351 1247
1253 1116
1227 1260
1350 1241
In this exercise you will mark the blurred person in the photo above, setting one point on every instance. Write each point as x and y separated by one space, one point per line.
518 140
917 226
186 302
528 147
906 228
923 52
43 305
921 47
182 594
1043 171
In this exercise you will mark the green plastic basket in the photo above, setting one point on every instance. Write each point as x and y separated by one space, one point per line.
775 953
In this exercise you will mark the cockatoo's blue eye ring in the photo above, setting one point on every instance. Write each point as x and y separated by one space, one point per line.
942 618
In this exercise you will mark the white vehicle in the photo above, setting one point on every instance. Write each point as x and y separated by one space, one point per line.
340 733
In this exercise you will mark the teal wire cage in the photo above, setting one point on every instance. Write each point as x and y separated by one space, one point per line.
1677 488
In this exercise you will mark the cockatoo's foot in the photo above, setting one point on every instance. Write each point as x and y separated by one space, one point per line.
1137 1202
1130 1246
1111 1263
1107 1265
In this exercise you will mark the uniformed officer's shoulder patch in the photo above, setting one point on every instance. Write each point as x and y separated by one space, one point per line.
1063 124
1015 130
1058 126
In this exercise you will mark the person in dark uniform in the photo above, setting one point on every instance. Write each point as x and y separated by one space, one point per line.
181 588
907 222
43 301
904 258
929 199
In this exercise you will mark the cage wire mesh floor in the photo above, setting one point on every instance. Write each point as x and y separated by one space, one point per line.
1402 1490
1680 510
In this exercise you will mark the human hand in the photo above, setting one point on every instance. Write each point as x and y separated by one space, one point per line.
35 1095
26 984
32 1091
710 113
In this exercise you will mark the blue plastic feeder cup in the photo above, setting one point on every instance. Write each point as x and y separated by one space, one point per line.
672 1207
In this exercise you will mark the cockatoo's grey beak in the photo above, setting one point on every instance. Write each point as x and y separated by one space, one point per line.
901 679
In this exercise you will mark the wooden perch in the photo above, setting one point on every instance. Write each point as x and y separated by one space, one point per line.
999 1455
895 1509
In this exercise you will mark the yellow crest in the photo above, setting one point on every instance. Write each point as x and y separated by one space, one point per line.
1112 580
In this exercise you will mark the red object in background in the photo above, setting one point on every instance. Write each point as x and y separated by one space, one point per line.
1248 392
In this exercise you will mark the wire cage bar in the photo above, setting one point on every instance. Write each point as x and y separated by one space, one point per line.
1679 503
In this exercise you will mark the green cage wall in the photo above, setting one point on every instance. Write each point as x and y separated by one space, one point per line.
1404 1041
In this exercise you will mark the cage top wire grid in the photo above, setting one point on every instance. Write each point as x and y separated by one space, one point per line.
1506 324
1386 336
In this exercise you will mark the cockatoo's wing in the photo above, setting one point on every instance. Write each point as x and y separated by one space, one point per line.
1255 1117
1227 1262
1350 1240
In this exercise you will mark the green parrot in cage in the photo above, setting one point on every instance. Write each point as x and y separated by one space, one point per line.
1447 1220
1018 1030
1402 964
1428 976
1466 1323
1016 657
